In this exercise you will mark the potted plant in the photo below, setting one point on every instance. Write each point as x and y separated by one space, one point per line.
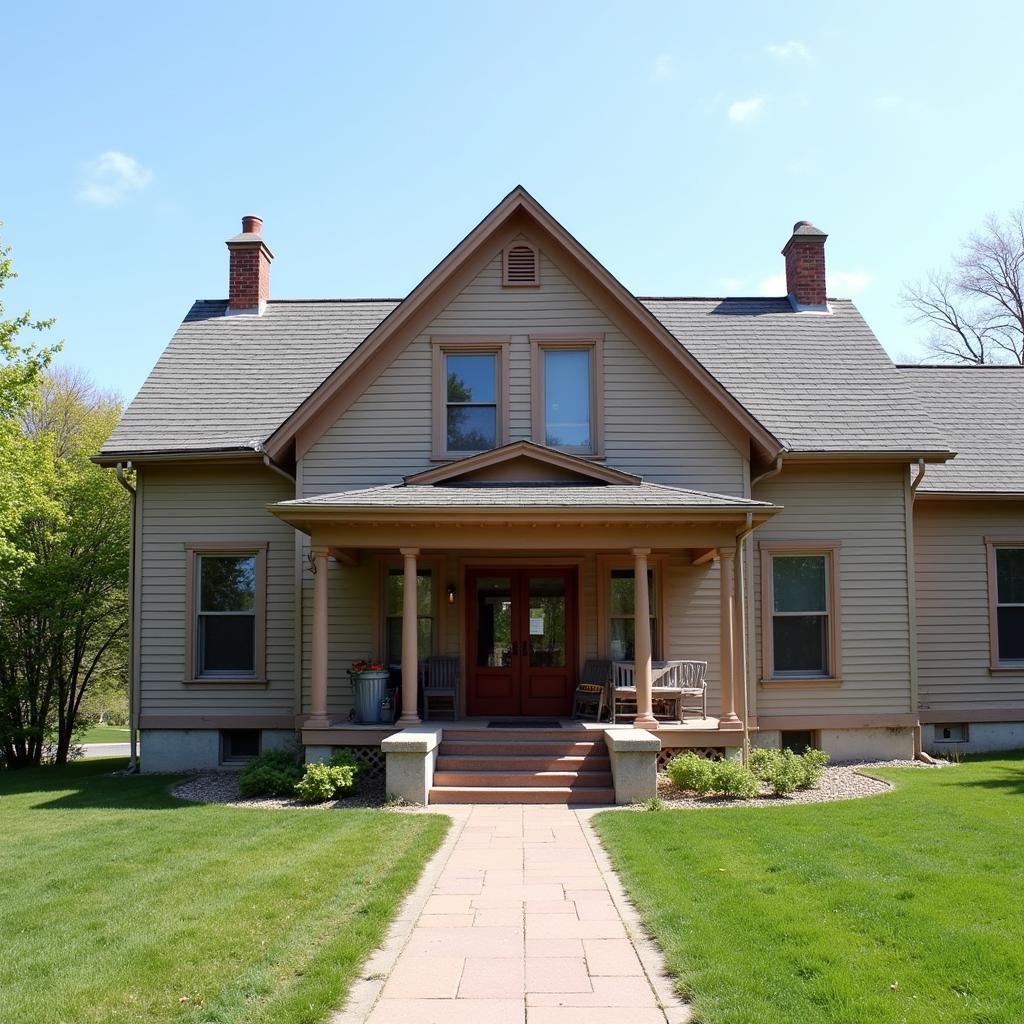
370 680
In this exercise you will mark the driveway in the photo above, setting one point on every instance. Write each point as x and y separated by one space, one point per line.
106 750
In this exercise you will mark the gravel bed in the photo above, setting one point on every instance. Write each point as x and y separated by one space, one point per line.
222 788
838 782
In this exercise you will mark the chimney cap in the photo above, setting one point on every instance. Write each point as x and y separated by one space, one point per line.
251 236
805 227
251 224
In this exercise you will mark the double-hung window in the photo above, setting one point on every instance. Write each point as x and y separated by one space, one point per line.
469 399
567 396
800 634
226 614
394 590
621 616
1006 575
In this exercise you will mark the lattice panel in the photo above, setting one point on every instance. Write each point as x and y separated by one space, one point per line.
711 753
371 758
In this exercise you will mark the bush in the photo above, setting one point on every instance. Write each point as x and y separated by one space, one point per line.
272 773
342 758
691 772
785 771
324 782
731 778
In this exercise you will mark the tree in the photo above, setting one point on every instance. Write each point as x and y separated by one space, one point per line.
65 624
24 463
975 312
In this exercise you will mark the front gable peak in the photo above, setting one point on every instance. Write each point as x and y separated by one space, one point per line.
523 462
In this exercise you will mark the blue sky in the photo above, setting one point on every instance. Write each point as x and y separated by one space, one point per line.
678 142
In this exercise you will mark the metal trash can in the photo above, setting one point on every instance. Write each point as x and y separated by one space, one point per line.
370 690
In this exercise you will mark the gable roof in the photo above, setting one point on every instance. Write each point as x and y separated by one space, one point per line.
516 213
799 382
980 410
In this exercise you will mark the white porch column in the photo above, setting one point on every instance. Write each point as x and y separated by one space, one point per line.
727 647
642 641
410 658
318 697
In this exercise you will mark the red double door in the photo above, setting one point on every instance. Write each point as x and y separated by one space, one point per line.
521 631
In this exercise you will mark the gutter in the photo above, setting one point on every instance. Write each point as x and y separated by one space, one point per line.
133 697
916 482
777 468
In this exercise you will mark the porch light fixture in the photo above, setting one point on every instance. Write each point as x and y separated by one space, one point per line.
451 593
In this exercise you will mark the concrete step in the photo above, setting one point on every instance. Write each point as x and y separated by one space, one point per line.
536 748
527 762
521 795
512 778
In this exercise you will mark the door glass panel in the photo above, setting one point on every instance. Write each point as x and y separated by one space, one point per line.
546 626
494 621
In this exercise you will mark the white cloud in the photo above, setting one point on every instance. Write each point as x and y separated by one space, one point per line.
843 283
664 68
745 110
893 101
111 177
791 50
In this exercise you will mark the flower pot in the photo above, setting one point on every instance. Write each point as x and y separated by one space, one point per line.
370 688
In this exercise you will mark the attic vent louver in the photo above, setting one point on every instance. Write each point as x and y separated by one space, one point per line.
520 266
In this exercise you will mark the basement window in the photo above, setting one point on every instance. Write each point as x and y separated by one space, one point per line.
951 732
798 740
520 266
238 745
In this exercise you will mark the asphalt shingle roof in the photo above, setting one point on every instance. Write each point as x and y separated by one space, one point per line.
818 382
427 496
980 412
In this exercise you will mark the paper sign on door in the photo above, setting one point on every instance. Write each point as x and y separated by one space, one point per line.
536 622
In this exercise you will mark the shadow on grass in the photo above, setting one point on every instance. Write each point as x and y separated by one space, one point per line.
1001 777
92 784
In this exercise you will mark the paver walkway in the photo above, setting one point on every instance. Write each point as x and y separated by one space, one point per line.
519 918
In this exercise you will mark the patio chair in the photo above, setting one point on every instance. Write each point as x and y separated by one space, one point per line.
671 682
439 677
591 696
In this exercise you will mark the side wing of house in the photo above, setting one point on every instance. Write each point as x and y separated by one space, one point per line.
970 622
212 559
831 579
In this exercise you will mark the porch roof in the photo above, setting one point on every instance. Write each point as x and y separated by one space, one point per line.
645 496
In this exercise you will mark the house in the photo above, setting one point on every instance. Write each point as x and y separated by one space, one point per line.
485 468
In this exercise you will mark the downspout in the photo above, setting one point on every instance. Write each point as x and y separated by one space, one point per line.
270 464
741 603
133 699
777 468
919 753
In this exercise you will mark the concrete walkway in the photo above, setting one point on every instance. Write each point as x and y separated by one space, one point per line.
92 750
518 918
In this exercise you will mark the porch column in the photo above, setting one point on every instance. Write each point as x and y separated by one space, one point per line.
642 641
318 697
727 651
410 658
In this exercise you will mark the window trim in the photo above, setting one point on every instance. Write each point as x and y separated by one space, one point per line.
830 550
992 544
193 552
605 565
541 343
441 345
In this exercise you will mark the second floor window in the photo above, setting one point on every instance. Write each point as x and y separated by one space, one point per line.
567 393
471 403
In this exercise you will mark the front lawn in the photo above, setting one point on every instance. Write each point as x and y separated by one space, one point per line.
904 908
104 734
123 904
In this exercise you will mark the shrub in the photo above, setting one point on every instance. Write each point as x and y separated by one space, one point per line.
731 778
814 764
691 772
272 773
785 771
324 781
342 758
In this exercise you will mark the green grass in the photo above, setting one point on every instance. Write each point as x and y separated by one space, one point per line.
104 734
118 901
904 908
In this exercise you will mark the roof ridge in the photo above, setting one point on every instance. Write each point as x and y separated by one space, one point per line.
959 366
284 302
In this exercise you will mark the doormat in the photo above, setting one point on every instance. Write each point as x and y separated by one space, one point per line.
529 724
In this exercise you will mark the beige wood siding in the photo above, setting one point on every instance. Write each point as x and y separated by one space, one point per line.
223 504
952 604
650 427
864 508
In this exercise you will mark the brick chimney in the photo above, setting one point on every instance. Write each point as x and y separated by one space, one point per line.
249 276
805 266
